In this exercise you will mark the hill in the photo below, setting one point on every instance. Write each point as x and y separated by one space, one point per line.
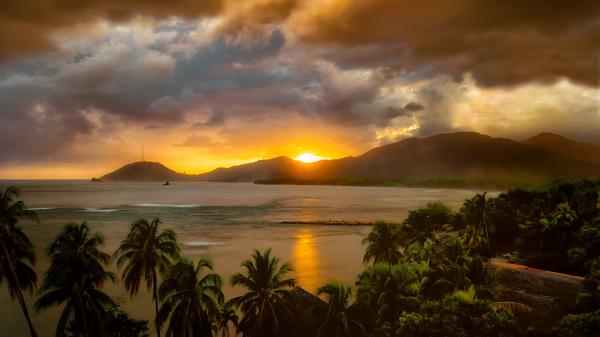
267 169
460 156
453 159
145 171
579 150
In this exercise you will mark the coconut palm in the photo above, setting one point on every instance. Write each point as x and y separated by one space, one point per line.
146 251
73 278
456 264
383 244
17 252
388 290
225 316
266 305
341 317
478 216
422 224
191 298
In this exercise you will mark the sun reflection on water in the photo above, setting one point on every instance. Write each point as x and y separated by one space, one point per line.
306 260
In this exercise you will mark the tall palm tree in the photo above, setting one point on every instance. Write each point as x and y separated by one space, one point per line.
341 318
225 316
266 305
74 276
383 244
478 214
16 250
146 251
191 298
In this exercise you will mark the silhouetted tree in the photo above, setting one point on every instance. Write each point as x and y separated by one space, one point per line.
146 251
383 244
266 304
191 299
73 278
17 251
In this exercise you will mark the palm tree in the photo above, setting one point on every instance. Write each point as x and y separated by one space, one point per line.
146 250
383 244
388 290
266 305
74 276
470 296
341 316
456 264
422 224
225 316
16 250
191 298
477 211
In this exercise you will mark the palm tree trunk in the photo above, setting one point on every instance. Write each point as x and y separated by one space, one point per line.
20 297
155 292
81 308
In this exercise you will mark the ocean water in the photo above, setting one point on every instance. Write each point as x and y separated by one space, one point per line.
222 221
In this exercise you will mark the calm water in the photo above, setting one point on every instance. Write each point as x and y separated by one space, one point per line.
223 221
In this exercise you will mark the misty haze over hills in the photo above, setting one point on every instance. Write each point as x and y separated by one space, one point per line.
467 158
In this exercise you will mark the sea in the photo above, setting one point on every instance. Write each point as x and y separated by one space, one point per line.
222 221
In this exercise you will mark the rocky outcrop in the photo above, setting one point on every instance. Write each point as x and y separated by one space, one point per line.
551 295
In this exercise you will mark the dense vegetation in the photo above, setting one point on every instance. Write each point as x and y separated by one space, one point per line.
426 276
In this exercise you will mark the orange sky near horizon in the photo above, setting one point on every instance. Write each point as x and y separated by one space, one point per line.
208 84
172 150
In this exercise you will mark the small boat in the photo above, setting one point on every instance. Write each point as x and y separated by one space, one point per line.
166 183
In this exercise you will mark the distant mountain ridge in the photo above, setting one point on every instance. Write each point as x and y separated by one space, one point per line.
145 171
458 158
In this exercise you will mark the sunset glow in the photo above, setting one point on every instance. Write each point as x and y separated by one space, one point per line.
308 158
212 84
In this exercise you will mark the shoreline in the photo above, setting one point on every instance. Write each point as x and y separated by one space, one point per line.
328 222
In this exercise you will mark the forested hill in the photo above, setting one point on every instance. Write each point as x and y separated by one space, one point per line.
463 158
145 171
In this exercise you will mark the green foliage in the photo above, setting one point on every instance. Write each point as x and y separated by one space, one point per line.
226 315
383 244
387 241
75 274
560 226
429 277
455 316
388 290
21 254
339 317
422 223
119 324
580 325
191 297
146 252
267 304
17 253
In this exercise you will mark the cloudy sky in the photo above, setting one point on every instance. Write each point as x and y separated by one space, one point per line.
203 84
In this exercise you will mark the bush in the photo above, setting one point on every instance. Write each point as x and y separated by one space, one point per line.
458 318
581 325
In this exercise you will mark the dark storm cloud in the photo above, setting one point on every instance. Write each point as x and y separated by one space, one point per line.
32 133
502 42
196 141
26 25
383 118
143 86
217 118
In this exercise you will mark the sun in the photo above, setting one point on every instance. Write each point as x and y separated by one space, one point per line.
308 158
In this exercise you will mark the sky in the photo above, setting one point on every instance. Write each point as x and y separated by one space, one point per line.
84 85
